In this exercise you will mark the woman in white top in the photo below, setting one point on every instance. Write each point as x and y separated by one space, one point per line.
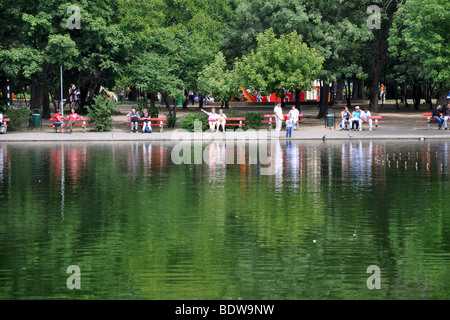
213 116
221 120
293 115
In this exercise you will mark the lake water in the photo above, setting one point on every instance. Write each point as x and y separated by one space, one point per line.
139 226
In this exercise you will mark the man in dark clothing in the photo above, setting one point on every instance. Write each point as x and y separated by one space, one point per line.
437 115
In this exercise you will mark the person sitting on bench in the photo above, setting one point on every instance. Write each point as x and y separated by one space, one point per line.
366 117
58 121
345 118
356 118
134 117
73 117
147 125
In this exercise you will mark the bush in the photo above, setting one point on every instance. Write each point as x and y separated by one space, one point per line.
19 115
187 123
171 120
153 112
101 112
253 120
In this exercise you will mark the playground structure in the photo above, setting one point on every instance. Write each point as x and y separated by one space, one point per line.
312 95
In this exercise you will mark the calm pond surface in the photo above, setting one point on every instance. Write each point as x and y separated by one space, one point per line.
139 226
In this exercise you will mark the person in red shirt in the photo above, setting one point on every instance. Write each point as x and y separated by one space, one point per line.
73 117
58 120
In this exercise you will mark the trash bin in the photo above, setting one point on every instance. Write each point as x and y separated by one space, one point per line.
121 98
330 120
180 101
36 120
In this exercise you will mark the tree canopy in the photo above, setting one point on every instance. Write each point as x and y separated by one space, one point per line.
170 46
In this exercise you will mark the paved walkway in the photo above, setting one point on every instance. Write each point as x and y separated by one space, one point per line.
403 124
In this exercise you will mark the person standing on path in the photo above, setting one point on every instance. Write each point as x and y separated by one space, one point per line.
278 116
293 115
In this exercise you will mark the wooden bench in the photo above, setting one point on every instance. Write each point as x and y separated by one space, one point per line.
429 118
4 125
82 121
6 120
239 123
160 122
376 121
285 116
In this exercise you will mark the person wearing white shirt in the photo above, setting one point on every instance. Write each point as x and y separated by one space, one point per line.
293 115
366 117
278 116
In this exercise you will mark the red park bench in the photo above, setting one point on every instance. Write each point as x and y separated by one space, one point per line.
240 121
81 121
376 121
159 122
272 116
6 120
429 118
4 125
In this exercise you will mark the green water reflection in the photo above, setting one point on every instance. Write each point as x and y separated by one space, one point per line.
141 227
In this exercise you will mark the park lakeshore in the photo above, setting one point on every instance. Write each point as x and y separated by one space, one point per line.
401 123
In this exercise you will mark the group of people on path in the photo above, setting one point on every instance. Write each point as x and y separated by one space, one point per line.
356 119
291 119
441 115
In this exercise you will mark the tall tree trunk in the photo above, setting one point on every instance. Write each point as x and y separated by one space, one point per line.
348 95
396 96
360 93
166 102
283 103
297 99
442 100
404 91
152 100
186 100
37 94
200 101
417 95
340 90
323 104
377 63
355 91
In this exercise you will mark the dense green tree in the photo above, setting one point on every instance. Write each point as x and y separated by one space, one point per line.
419 40
279 64
217 80
41 37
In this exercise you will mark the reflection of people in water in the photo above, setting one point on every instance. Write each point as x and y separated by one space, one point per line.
3 155
292 160
361 162
78 161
